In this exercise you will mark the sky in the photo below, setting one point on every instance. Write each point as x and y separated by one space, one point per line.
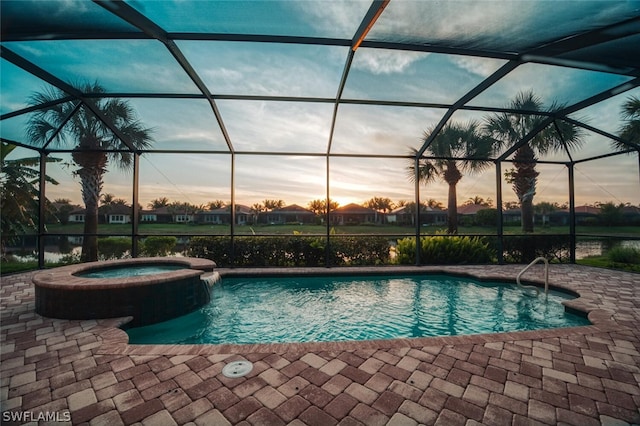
289 70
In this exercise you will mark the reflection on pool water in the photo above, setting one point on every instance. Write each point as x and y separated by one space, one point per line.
131 271
314 309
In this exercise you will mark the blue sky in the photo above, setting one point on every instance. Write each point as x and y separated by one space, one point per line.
271 69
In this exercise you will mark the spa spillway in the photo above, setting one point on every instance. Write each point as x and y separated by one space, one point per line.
148 289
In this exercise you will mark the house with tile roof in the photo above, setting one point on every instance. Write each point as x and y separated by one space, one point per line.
352 214
288 214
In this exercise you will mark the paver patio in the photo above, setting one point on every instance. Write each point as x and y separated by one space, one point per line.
84 372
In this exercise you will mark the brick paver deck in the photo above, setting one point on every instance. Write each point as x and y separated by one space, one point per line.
84 372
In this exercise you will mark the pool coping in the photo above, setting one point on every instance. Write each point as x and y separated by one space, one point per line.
116 342
66 277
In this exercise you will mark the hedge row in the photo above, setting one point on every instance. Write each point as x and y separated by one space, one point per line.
284 251
291 251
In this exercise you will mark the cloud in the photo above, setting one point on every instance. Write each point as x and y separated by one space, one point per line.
339 18
378 129
378 61
118 65
268 69
482 67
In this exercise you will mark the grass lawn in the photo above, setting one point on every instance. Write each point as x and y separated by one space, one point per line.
605 262
183 229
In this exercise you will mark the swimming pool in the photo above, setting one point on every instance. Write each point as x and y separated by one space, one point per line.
330 308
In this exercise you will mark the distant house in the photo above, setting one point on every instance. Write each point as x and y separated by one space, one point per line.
584 214
77 215
631 215
159 215
352 214
116 213
184 217
61 211
222 216
471 209
289 214
428 216
587 210
511 215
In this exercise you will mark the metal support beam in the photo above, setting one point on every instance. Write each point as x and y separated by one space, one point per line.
374 12
327 245
135 210
572 214
564 143
417 212
343 81
551 53
55 134
500 216
232 225
31 68
144 24
42 211
35 108
562 113
484 85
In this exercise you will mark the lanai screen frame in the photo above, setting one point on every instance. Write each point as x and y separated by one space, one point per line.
551 53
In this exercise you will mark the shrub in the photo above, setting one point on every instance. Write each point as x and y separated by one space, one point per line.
445 250
359 250
291 251
113 247
621 254
159 246
406 251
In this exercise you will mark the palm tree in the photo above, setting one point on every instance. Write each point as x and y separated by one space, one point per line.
509 129
273 204
630 131
455 149
256 209
158 203
215 204
379 204
95 145
434 204
479 201
19 181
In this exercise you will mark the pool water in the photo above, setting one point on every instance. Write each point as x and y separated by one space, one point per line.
315 309
131 271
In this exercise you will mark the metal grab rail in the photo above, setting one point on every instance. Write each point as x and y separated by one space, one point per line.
546 276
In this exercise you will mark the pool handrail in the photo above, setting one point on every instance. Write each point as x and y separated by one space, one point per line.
546 275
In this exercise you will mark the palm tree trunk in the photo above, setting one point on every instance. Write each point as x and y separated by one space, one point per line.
90 241
452 209
92 168
527 214
452 176
524 184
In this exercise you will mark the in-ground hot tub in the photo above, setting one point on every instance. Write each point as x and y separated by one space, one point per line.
148 289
